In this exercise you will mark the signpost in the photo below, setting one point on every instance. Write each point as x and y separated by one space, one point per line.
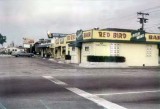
138 36
51 35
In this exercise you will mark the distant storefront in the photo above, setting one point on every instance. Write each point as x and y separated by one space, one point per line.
10 50
52 47
27 44
43 47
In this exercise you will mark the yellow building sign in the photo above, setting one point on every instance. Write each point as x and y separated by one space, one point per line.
57 41
135 36
110 35
153 37
87 34
60 42
71 37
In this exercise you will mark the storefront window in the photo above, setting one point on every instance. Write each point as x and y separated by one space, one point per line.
114 49
86 48
149 50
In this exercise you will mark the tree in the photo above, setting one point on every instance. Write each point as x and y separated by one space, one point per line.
2 39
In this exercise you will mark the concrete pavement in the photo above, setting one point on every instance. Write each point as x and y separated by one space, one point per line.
23 86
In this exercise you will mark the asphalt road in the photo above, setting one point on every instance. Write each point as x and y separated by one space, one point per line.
34 83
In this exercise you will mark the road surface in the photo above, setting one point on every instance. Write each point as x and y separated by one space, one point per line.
35 83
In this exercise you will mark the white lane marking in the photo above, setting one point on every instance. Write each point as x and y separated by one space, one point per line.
126 93
44 104
48 77
54 80
89 96
96 99
2 106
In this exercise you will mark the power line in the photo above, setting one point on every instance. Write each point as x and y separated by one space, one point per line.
150 30
153 29
122 18
154 11
153 26
130 16
151 8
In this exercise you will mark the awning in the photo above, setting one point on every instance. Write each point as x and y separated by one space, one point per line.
44 46
158 45
76 44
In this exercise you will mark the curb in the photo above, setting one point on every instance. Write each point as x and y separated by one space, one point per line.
94 67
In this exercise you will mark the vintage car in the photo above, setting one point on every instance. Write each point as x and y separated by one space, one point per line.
22 54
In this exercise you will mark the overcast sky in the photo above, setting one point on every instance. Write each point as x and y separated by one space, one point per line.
33 18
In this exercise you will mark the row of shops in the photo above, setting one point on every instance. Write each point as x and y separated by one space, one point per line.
137 47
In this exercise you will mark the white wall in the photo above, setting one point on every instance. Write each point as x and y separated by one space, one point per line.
136 54
75 55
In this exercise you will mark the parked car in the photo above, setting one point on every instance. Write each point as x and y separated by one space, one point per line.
22 54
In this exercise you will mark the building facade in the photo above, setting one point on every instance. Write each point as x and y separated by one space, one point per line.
10 50
137 47
27 44
51 47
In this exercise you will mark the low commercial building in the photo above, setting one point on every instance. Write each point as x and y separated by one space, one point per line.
43 47
137 47
28 44
52 46
60 48
108 47
72 49
10 50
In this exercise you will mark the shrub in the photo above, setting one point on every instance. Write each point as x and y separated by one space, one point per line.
92 58
67 57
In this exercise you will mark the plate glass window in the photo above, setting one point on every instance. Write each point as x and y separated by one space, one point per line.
114 49
149 50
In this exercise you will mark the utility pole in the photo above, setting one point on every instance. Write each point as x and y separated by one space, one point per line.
142 19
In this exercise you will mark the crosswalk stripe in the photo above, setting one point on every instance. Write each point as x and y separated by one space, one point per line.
86 95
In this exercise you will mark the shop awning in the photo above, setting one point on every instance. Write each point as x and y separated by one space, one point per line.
44 46
76 44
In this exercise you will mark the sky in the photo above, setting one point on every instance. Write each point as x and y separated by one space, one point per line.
34 18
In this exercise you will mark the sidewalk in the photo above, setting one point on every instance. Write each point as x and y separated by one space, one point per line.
5 55
60 61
